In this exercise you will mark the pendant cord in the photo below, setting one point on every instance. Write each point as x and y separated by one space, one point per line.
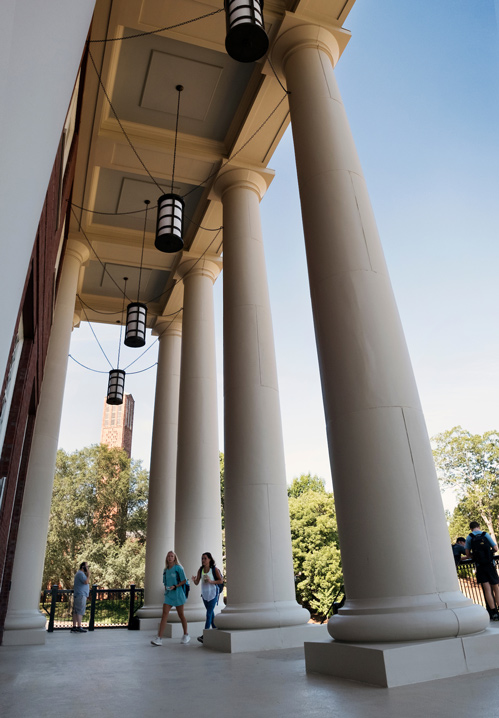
121 323
146 202
179 89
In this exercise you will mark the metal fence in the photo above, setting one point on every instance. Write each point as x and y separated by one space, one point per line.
466 573
106 608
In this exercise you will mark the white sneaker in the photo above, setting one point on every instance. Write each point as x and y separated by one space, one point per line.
185 639
157 641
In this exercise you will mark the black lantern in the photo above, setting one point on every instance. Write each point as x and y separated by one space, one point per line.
170 224
246 39
135 332
116 386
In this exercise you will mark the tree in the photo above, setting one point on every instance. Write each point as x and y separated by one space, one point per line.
469 463
306 482
314 537
98 514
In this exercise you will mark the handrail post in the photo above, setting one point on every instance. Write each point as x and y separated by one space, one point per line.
131 609
92 607
53 600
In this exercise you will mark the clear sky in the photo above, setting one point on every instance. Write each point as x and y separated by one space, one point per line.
420 84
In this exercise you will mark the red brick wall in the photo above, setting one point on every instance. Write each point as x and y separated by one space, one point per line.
37 312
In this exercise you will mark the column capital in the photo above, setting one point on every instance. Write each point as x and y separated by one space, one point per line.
257 180
298 34
195 266
165 327
77 249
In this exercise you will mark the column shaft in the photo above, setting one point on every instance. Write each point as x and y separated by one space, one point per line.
198 525
162 476
261 592
24 623
399 577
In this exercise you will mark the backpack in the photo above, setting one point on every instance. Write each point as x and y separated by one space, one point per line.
185 585
481 550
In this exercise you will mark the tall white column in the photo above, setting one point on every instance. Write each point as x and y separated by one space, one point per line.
261 591
198 524
162 475
41 45
24 624
399 575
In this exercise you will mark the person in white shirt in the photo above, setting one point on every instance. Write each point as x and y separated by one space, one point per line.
211 585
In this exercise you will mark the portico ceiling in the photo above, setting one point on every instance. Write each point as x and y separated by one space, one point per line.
224 105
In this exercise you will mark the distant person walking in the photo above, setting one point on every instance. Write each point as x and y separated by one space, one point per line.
480 547
80 595
211 585
173 579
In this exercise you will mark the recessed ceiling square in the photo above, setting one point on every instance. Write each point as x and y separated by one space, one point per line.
166 71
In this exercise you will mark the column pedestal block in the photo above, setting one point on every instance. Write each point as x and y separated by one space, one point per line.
25 628
400 664
265 639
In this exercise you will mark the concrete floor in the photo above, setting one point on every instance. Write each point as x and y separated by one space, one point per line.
117 673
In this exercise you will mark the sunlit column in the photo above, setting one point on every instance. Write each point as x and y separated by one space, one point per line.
260 582
399 575
198 525
162 475
24 623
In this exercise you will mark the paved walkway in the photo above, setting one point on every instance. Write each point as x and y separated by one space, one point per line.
117 673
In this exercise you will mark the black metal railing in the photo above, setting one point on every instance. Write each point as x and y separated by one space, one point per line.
106 607
466 573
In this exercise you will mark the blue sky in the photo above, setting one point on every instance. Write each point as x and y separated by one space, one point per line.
420 85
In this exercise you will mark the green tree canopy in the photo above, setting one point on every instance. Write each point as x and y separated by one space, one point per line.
314 537
306 482
469 464
98 514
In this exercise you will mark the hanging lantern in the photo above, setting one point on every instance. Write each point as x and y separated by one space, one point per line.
116 386
170 224
246 39
135 332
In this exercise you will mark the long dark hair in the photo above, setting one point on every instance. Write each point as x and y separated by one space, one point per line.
211 560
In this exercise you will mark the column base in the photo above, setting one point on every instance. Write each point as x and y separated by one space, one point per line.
267 639
24 628
389 664
409 618
252 616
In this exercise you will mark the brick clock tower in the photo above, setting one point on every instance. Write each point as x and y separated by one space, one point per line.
117 424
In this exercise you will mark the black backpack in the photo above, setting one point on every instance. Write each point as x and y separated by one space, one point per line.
185 586
481 550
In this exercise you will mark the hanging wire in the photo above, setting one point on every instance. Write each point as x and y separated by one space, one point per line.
179 89
96 255
95 337
147 203
96 371
181 279
155 32
99 371
149 347
276 75
99 77
121 324
224 164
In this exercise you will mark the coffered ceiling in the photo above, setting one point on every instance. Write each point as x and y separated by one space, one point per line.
127 136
